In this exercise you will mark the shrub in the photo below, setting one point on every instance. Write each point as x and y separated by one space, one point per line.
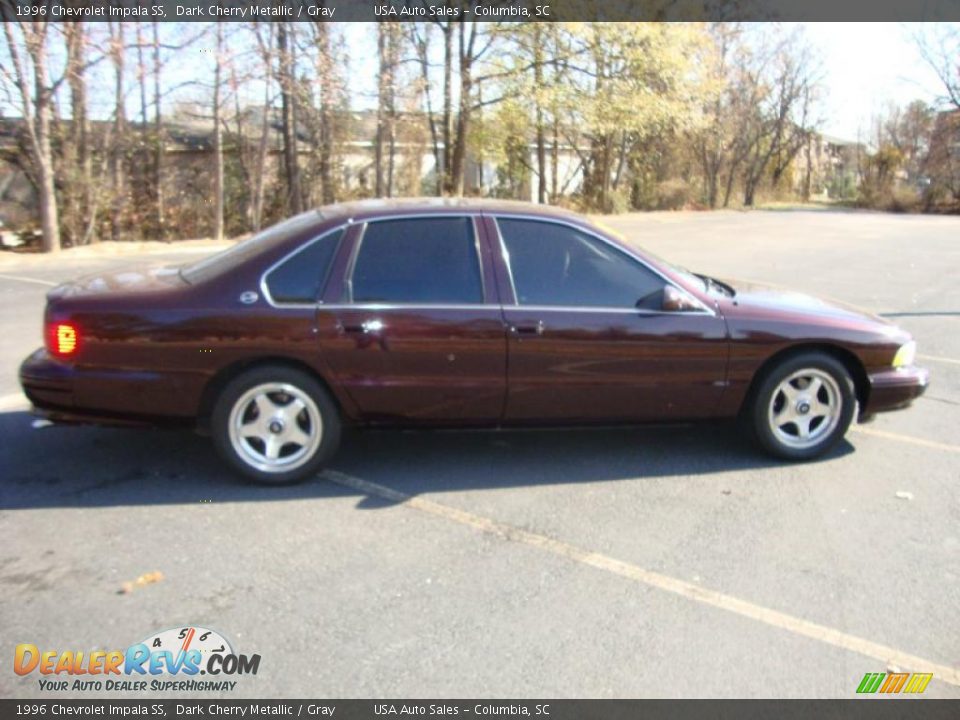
673 194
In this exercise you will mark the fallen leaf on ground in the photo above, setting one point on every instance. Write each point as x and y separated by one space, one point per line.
142 581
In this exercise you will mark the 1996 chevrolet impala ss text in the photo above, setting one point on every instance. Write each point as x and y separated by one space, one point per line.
453 313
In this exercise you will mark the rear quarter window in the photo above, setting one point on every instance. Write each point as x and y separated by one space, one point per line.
301 277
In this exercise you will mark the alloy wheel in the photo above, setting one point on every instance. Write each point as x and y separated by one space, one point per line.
805 408
275 427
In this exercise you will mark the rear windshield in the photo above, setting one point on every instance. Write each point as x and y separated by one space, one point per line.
233 257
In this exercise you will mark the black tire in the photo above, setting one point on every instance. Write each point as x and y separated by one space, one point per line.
777 432
318 424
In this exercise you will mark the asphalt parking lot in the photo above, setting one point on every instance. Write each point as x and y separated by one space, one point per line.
658 562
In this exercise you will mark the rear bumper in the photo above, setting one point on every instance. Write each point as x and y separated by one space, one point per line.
895 389
47 383
62 392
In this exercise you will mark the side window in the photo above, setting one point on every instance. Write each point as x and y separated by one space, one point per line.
555 264
302 276
422 260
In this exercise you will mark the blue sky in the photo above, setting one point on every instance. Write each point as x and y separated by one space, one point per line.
868 66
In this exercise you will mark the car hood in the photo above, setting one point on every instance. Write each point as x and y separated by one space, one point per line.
754 297
131 281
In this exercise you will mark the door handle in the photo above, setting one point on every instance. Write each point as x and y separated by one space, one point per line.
367 327
528 329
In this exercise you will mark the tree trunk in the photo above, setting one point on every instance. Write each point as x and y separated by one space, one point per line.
555 161
381 110
49 218
325 63
36 116
392 60
458 161
118 148
729 188
289 119
218 139
447 29
158 138
421 44
540 131
78 168
256 201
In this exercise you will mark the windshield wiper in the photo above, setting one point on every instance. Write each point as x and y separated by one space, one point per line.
723 287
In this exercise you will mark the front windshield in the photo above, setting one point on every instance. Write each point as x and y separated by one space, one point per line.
236 255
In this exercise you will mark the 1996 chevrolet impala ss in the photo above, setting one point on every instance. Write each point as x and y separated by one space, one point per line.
453 313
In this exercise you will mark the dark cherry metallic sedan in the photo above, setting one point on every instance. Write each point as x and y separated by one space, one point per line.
453 313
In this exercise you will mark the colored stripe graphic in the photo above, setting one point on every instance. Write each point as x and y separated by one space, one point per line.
870 682
918 683
894 682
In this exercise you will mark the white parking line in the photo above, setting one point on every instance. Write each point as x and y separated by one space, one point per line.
35 281
13 401
705 596
937 358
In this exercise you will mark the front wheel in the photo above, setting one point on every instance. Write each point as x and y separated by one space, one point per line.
803 406
275 425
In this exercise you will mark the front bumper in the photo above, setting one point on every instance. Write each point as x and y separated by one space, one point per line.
895 388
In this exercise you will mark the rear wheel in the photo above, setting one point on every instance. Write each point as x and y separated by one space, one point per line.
276 425
803 406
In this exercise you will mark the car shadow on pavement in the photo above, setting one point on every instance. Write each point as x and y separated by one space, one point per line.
67 466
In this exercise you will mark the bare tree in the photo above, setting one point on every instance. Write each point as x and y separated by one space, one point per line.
264 36
940 48
27 45
712 142
420 39
77 153
218 190
286 46
117 53
158 136
388 49
330 88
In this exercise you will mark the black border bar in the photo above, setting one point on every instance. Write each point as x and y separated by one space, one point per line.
485 10
874 708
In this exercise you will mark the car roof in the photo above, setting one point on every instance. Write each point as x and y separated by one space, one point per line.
370 209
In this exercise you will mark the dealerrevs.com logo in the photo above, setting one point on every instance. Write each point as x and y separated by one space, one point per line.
168 661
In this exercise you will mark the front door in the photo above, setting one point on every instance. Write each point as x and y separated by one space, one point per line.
418 336
588 340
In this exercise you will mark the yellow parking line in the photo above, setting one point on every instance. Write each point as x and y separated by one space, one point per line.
35 281
937 358
906 439
798 626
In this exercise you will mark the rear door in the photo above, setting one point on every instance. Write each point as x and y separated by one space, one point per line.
416 334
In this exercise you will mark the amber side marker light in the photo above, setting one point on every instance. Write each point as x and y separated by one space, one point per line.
63 339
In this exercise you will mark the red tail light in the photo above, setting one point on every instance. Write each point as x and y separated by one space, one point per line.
63 339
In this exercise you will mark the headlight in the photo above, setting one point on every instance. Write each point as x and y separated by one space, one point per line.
905 355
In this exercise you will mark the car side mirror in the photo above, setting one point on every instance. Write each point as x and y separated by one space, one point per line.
675 300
